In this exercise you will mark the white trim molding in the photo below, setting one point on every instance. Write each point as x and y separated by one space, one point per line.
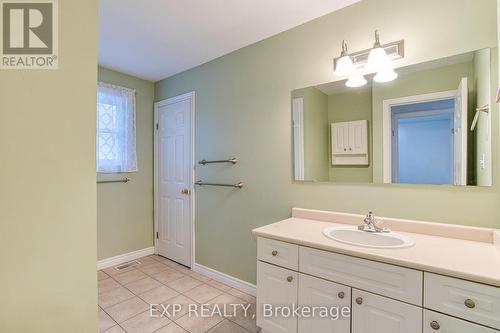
120 259
387 126
244 286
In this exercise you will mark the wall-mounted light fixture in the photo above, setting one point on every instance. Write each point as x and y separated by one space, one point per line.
377 60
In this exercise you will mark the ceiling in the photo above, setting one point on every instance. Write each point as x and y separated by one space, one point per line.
155 39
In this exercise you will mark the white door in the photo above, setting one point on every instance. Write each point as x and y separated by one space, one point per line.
377 314
317 292
174 177
460 135
277 287
340 137
357 137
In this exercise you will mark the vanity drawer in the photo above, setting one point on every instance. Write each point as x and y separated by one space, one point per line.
278 253
388 280
472 301
437 322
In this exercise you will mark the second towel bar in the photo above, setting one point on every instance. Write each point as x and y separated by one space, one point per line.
231 160
238 185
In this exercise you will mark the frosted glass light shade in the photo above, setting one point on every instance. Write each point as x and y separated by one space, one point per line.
385 75
356 81
377 59
345 67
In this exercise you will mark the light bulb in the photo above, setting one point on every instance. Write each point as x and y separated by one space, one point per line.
345 67
377 59
385 75
356 81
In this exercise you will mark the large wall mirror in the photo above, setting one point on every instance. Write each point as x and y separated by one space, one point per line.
431 125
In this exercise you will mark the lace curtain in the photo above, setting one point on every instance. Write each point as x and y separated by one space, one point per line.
116 150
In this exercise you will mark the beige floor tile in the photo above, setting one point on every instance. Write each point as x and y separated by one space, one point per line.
147 260
153 268
143 285
127 309
200 277
104 321
113 297
183 269
130 276
168 276
168 262
183 284
246 319
219 285
115 329
227 303
171 328
242 295
101 275
203 293
176 313
158 295
106 285
195 324
144 323
227 326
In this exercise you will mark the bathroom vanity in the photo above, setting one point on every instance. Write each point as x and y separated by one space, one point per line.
448 281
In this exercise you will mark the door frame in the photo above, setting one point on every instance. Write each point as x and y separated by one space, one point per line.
387 122
192 97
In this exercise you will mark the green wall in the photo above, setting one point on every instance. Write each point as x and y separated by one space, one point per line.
125 211
352 105
316 133
48 185
243 110
422 82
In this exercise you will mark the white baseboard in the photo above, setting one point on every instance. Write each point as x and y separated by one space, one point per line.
226 279
117 260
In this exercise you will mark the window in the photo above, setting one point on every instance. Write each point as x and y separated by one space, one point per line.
116 150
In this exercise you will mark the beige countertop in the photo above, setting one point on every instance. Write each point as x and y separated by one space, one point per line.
475 260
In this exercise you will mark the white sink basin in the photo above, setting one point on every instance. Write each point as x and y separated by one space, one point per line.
382 240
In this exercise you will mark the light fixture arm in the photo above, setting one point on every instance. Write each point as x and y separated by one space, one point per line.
344 49
377 39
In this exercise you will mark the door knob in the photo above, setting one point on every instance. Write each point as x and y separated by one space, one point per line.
185 191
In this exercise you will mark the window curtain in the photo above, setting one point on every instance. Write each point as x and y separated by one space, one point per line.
116 146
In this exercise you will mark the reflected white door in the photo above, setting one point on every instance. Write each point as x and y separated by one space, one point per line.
460 135
173 177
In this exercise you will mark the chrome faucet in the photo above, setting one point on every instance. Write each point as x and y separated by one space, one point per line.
370 224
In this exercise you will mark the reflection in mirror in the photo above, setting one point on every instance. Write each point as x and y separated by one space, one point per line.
432 125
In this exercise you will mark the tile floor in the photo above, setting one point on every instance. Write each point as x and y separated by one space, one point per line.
125 297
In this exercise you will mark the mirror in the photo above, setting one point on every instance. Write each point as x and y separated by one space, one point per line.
431 125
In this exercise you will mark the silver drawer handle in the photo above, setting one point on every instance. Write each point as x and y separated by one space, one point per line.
274 253
341 294
435 325
359 300
470 303
289 279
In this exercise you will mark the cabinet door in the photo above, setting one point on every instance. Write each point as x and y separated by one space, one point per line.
340 138
314 292
358 142
378 314
437 322
276 287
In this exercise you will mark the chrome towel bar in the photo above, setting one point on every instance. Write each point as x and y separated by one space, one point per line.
124 180
231 160
200 183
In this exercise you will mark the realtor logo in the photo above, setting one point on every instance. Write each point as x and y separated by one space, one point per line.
28 34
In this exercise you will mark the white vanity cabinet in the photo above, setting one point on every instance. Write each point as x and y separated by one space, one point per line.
383 298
